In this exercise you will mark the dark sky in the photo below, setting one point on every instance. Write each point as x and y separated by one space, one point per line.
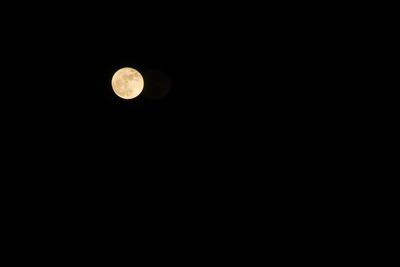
239 87
243 129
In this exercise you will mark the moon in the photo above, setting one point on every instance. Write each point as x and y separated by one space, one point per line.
127 83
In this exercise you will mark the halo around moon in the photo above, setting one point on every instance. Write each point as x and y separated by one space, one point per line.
127 83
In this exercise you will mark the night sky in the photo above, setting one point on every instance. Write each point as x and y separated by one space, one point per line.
234 84
247 124
241 89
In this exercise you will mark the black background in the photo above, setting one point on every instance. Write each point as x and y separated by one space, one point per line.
244 79
246 110
245 150
228 76
244 83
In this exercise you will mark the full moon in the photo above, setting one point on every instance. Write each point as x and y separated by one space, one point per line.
127 83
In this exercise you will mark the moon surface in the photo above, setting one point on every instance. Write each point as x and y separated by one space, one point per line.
127 83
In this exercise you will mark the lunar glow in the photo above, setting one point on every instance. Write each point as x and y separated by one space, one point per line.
127 83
